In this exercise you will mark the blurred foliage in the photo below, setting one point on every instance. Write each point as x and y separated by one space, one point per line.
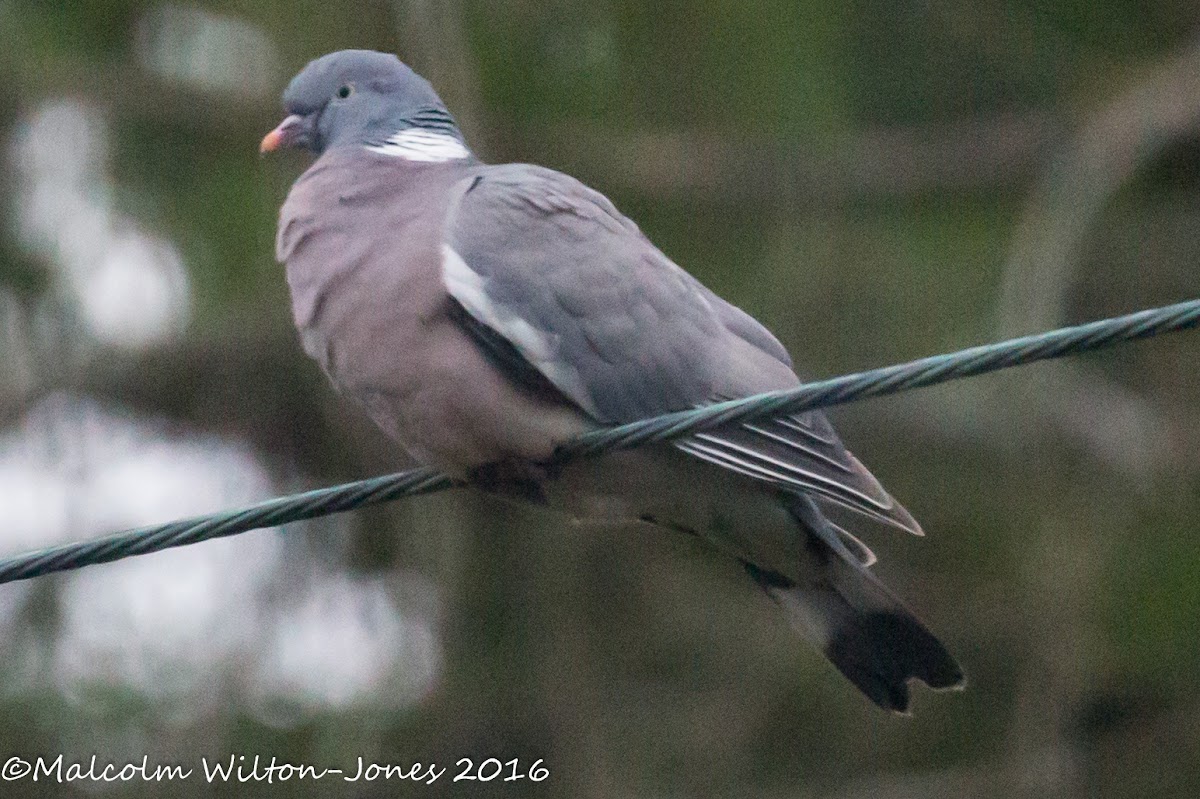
852 174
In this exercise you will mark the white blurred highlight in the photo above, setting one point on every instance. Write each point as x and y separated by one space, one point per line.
187 628
343 645
129 288
211 52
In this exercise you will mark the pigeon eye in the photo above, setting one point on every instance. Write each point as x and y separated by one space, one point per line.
345 91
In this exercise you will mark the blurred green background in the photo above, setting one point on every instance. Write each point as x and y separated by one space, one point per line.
875 181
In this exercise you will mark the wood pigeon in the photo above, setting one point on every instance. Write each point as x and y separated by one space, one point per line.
483 314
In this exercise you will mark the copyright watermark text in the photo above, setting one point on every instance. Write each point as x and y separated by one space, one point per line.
255 768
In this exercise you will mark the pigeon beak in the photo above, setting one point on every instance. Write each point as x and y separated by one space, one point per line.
291 132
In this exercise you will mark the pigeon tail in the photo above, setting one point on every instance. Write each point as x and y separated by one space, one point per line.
864 629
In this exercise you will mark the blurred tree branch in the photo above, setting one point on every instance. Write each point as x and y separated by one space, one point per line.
972 155
1122 428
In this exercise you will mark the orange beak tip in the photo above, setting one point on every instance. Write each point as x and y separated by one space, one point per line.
270 142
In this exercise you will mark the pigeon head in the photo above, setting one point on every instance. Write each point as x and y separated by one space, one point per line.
357 97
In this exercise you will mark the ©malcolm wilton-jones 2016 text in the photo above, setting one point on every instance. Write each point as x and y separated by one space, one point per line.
255 768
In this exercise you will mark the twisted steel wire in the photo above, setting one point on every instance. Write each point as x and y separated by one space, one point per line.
424 480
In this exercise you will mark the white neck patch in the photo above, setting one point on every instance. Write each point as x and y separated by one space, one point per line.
416 144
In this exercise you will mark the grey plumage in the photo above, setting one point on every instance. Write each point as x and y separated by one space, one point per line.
484 314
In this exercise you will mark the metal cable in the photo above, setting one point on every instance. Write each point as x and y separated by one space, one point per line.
836 391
